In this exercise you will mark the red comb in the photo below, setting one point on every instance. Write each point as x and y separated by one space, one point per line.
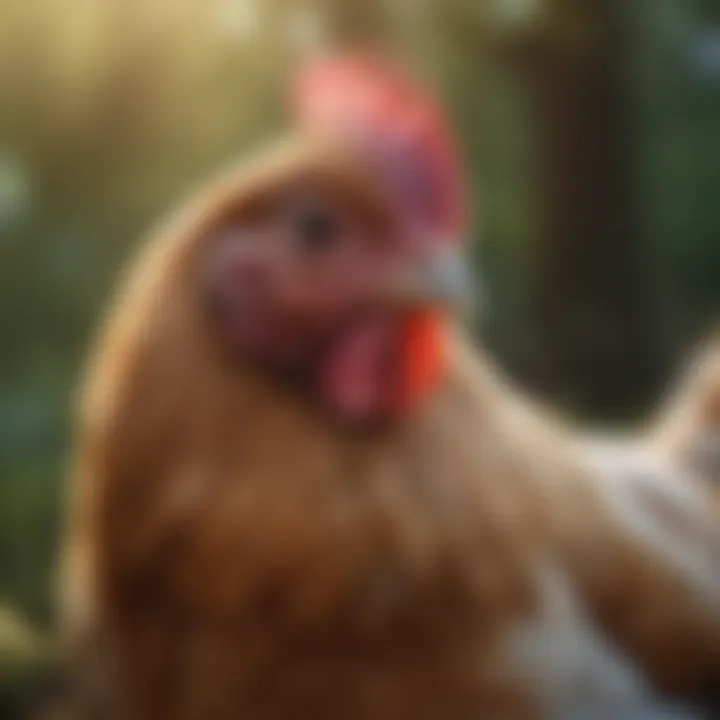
398 124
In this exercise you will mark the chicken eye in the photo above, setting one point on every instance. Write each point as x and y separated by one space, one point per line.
316 229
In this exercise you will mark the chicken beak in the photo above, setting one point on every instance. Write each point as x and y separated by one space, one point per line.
441 278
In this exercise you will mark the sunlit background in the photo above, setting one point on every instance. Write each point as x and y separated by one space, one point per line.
591 129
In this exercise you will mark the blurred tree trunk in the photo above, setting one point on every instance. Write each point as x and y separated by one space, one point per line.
590 298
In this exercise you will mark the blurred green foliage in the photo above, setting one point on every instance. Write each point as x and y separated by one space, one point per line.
111 110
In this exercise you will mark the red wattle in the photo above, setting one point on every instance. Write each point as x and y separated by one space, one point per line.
381 369
423 357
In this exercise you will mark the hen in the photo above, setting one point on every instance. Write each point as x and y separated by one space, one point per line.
300 492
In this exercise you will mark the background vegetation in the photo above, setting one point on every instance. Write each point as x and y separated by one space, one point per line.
591 129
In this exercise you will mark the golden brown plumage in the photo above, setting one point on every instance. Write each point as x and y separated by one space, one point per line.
298 556
237 552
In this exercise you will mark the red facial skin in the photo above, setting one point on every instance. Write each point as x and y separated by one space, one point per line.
301 285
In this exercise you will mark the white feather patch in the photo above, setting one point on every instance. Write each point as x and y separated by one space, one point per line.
576 673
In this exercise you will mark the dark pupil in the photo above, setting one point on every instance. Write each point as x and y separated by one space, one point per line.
316 229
